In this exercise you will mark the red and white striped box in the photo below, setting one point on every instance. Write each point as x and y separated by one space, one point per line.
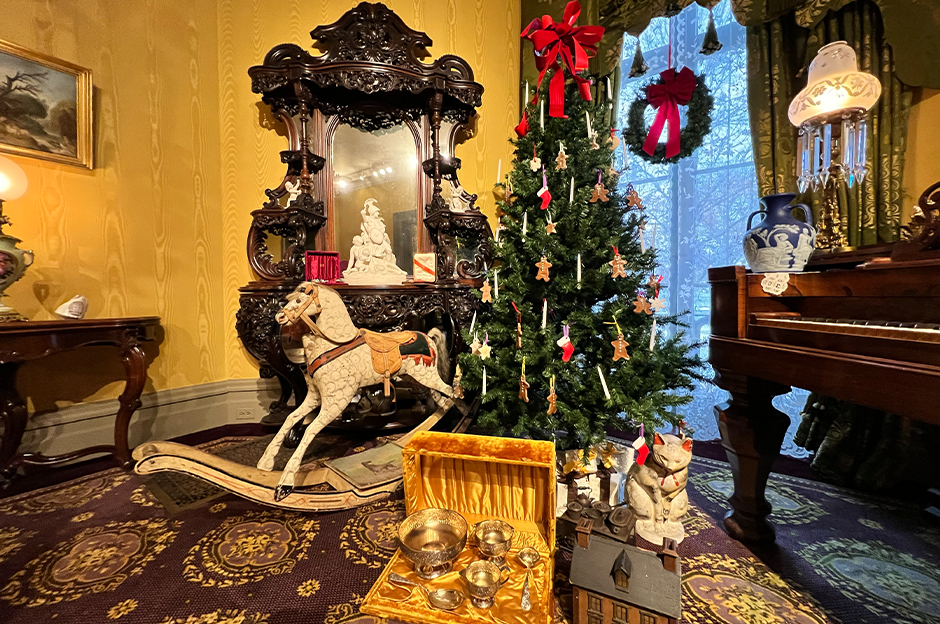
424 267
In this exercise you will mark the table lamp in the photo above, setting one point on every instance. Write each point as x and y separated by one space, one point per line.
833 137
13 261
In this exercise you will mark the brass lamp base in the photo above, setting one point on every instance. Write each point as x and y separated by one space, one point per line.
9 315
829 231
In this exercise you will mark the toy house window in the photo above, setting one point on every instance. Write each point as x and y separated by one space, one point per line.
647 618
620 614
594 618
594 603
621 579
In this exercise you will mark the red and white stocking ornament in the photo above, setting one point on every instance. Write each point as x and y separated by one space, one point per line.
567 348
544 192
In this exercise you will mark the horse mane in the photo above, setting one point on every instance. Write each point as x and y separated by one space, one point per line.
334 318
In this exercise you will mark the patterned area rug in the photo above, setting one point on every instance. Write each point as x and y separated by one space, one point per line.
103 548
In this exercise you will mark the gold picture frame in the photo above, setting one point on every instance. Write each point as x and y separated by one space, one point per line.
45 107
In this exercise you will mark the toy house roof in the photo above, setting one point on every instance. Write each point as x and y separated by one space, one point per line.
652 587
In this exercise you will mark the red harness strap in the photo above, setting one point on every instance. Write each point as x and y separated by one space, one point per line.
332 354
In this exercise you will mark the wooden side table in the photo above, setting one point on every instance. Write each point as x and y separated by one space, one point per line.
32 340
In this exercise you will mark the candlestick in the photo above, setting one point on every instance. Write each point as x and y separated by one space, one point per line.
571 193
653 336
499 171
542 113
484 380
579 270
600 373
544 312
496 284
474 321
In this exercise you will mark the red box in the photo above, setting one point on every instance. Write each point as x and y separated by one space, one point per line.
323 266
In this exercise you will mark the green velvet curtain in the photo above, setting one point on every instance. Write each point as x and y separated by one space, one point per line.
779 53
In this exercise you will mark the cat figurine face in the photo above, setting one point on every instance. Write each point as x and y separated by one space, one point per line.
671 452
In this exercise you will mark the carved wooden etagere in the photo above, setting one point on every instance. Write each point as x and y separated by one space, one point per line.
369 76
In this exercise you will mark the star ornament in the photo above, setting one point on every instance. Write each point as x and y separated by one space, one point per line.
550 227
475 346
620 348
535 164
543 266
657 304
484 351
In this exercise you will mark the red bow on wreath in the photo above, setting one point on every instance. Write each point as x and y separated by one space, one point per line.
675 90
574 44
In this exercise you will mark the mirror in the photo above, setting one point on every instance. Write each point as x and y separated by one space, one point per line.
383 165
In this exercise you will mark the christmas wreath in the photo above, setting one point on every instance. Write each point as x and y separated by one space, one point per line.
666 94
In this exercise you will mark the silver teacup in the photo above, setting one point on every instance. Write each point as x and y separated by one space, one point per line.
483 579
494 539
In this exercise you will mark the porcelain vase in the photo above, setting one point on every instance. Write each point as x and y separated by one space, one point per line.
780 243
13 263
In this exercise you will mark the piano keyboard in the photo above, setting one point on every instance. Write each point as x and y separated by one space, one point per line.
918 332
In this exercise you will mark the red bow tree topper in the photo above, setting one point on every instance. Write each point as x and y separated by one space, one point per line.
676 89
559 44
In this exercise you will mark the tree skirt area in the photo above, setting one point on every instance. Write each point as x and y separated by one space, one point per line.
105 548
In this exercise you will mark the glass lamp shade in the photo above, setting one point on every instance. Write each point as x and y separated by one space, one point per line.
835 86
12 180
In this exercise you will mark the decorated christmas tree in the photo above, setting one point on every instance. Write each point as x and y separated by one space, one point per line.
573 336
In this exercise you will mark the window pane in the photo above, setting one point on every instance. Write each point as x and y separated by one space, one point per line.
699 206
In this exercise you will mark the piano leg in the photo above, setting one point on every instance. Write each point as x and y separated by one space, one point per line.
752 430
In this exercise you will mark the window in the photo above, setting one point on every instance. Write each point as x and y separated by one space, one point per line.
699 206
593 618
594 603
647 618
621 580
620 614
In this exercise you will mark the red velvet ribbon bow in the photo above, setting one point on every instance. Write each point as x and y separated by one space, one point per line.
676 90
573 44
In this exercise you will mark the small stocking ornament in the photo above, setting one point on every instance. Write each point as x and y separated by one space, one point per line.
642 451
552 398
544 193
543 266
561 161
567 348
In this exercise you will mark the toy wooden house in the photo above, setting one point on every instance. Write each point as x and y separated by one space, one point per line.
616 583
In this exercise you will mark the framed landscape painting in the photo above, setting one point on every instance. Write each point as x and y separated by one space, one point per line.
45 107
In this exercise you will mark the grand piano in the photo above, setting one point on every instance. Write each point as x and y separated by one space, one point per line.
866 330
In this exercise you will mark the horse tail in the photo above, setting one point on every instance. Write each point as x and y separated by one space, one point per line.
443 357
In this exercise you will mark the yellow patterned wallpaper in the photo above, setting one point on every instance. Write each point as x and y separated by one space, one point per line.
159 226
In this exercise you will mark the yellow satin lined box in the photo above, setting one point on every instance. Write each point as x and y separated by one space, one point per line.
481 478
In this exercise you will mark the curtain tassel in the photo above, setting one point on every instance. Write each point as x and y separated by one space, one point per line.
710 43
639 66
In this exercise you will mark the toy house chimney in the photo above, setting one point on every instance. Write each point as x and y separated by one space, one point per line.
584 531
670 555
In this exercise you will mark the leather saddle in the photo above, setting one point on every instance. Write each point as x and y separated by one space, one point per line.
385 350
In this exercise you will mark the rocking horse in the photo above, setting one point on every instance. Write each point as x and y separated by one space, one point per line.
341 360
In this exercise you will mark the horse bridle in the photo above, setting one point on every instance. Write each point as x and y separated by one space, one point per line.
300 313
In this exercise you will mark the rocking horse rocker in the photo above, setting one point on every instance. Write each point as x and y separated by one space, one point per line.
341 359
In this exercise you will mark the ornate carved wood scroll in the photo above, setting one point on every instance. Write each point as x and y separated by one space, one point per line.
922 234
371 76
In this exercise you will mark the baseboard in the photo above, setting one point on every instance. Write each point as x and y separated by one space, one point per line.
165 414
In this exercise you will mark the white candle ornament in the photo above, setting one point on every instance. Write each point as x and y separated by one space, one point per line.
484 380
496 284
544 312
542 113
571 192
653 336
499 171
579 270
600 373
525 223
609 92
587 118
526 103
474 321
653 242
642 242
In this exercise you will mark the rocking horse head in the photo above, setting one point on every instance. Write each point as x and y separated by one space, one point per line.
321 309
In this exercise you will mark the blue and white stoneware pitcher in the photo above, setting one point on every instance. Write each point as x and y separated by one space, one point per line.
780 243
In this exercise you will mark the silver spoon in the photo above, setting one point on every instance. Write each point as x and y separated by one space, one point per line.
528 557
443 599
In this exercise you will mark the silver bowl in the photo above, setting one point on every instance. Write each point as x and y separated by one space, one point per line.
432 539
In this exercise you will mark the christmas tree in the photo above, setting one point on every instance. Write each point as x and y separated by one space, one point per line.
580 262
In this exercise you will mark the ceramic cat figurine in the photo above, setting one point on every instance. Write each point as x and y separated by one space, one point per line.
657 489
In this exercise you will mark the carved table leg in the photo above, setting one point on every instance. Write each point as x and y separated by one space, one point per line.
14 414
752 431
135 368
280 408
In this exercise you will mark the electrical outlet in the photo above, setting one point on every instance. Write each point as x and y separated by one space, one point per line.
244 414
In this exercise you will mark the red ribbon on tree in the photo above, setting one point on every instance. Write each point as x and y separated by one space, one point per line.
675 90
573 44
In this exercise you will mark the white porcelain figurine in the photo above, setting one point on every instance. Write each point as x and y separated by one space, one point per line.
371 260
